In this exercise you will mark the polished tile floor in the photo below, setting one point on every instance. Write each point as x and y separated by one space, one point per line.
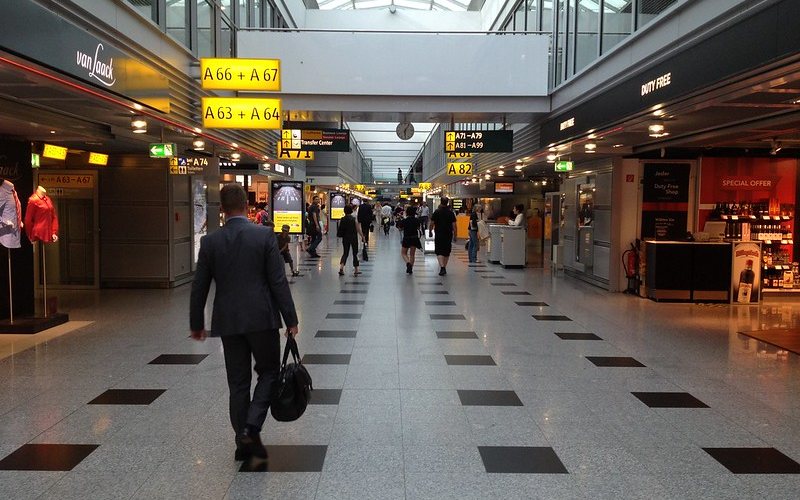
484 383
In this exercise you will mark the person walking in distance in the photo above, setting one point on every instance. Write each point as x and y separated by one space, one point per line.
349 231
473 234
252 295
399 175
443 223
424 215
364 220
410 243
386 218
314 229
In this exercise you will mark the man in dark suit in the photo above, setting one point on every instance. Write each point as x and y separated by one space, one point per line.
252 294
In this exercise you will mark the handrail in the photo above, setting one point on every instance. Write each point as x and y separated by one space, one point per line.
407 32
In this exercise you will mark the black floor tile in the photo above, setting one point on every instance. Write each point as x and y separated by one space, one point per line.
47 457
489 398
494 277
343 316
614 361
457 335
521 460
178 359
354 291
127 397
577 336
434 292
754 460
305 458
325 396
534 304
502 284
348 302
326 359
550 317
669 400
515 293
440 303
469 360
447 316
336 334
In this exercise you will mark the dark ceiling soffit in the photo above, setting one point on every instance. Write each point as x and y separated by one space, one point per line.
731 52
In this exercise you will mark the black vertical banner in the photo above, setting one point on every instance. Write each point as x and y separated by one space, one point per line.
15 167
665 201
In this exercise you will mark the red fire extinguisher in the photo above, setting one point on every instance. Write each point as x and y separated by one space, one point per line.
630 261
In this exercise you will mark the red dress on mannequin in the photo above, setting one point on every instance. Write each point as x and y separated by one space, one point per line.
41 223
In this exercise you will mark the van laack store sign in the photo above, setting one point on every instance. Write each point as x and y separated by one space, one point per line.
42 36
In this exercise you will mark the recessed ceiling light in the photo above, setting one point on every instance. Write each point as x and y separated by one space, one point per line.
551 158
52 131
590 147
617 145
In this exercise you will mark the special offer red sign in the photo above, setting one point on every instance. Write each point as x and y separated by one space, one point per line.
747 183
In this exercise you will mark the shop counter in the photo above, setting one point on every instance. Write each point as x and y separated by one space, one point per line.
512 247
687 271
495 243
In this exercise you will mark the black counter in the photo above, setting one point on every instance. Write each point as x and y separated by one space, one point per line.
687 271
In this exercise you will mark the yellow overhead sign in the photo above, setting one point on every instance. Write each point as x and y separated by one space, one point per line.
424 186
98 159
240 74
292 154
66 181
458 169
241 113
458 156
54 152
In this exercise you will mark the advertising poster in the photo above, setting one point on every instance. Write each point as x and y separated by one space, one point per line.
337 205
287 205
665 200
746 273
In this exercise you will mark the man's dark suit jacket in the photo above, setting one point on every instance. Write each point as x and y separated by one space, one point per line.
252 291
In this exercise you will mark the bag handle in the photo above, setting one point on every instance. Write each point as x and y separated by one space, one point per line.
291 346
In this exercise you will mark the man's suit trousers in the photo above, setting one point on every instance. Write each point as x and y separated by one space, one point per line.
265 348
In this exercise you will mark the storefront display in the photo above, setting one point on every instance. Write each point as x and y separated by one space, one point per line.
755 198
337 205
665 200
746 273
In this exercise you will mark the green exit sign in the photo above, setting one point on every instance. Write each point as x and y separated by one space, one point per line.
564 166
162 150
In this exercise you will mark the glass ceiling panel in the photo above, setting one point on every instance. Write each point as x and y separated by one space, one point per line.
446 5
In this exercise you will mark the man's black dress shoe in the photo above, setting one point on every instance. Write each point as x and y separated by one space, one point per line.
251 445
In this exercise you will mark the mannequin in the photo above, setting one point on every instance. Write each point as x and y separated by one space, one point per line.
10 216
41 223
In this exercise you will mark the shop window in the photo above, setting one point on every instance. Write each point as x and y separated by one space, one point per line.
617 22
585 221
178 21
205 29
147 8
650 9
561 41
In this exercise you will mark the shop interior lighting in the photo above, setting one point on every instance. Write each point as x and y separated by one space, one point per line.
138 124
776 147
487 176
198 144
617 145
52 131
590 147
235 156
551 158
657 129
234 145
501 172
519 168
198 130
544 182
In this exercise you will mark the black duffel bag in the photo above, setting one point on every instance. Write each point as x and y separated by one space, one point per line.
292 391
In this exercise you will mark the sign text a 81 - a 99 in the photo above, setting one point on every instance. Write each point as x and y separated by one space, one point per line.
479 141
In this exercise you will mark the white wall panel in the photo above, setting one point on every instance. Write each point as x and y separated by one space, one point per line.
402 20
397 64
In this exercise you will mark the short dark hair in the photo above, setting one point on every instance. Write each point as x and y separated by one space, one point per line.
520 208
232 198
444 201
348 209
411 211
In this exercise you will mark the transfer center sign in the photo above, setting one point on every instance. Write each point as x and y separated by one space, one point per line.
241 113
240 74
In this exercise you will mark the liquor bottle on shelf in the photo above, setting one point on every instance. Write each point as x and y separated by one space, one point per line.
746 278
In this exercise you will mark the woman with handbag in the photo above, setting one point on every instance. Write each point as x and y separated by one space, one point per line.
349 231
